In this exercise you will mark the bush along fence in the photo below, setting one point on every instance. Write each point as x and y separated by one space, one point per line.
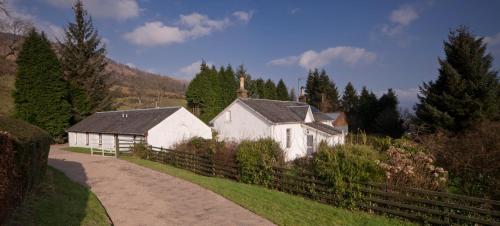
422 206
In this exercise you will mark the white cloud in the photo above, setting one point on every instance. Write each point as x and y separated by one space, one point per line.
243 16
155 33
191 70
312 59
117 9
187 27
400 19
492 40
295 11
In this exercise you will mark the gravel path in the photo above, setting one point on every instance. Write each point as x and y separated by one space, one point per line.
135 195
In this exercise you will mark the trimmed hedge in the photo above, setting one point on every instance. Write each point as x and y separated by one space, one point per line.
24 150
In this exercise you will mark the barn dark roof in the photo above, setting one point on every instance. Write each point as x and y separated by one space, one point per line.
134 122
325 128
278 111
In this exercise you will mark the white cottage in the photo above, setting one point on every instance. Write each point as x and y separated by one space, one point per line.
298 127
159 127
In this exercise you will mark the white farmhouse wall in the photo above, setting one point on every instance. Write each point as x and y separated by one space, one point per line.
298 140
107 140
180 126
242 124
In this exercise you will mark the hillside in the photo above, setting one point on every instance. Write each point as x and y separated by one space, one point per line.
134 88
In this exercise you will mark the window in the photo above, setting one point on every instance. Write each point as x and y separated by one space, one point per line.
228 116
288 138
87 139
100 139
310 144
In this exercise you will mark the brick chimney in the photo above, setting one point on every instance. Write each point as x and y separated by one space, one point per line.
242 92
302 95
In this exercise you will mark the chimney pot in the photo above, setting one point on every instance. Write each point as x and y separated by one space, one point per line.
242 92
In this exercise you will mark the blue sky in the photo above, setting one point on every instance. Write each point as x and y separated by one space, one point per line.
378 44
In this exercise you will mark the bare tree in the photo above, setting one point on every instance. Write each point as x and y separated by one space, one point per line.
3 8
19 28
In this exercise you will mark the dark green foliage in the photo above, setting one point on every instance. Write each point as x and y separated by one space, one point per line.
342 166
256 160
349 105
24 150
367 110
140 150
83 60
202 93
321 91
466 90
41 93
256 88
269 90
388 122
282 91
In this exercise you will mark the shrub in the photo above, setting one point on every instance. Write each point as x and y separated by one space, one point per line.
256 160
140 150
345 166
416 170
24 151
472 158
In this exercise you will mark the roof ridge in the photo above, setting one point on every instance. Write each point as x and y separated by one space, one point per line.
140 109
293 101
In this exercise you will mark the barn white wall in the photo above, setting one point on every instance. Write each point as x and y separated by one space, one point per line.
108 140
178 127
243 125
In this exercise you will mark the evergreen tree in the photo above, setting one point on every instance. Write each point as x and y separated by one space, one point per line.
322 93
41 93
203 92
349 105
388 121
258 88
228 85
466 90
349 98
282 91
270 90
293 96
367 110
83 58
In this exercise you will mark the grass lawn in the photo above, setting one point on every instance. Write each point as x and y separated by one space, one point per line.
60 201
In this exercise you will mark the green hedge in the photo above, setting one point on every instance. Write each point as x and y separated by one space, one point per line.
256 160
24 152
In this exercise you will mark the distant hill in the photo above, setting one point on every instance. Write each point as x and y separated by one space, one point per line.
133 88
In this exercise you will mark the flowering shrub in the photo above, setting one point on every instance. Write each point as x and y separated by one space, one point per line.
417 169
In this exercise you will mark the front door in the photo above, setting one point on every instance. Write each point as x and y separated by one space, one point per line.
310 144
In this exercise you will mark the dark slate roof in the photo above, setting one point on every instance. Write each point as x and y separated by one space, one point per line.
323 127
319 116
136 122
278 111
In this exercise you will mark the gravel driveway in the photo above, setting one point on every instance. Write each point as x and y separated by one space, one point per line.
135 195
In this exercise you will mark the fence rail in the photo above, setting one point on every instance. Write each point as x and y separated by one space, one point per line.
423 206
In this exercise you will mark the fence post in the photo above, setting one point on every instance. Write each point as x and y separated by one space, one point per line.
117 146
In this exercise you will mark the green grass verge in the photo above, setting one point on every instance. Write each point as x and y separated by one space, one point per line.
60 201
278 207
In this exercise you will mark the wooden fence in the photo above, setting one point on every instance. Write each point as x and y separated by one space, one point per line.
422 206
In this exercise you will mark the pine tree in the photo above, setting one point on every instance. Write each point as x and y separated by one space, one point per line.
203 92
388 121
258 88
349 98
367 110
41 93
466 90
322 93
228 85
83 58
270 90
282 91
